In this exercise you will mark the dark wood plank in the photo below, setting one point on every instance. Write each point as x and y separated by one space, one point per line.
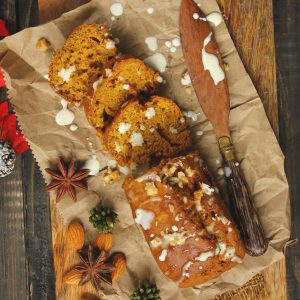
26 262
287 40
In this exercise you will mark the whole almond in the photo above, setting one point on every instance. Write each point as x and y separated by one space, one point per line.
104 241
75 235
72 277
119 262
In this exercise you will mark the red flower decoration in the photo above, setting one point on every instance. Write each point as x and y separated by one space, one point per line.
3 30
2 81
9 131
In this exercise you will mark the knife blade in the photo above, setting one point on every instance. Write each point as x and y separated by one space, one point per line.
205 67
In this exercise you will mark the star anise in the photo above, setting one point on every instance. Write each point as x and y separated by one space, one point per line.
67 179
94 267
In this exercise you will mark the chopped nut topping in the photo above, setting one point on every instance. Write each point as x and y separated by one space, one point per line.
111 176
151 189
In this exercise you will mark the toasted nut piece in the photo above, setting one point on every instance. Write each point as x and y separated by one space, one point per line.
119 261
104 241
75 235
73 277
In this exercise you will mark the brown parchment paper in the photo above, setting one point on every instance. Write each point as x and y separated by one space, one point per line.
260 156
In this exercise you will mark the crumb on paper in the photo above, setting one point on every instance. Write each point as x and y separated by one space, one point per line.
43 44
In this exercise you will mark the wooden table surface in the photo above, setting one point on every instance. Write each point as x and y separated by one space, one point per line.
26 264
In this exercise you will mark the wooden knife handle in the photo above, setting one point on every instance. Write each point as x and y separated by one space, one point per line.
244 210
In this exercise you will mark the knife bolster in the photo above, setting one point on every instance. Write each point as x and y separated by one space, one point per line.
226 148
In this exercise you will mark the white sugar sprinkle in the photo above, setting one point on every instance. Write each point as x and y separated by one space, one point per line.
150 10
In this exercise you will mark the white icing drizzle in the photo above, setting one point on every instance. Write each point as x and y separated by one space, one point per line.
221 248
207 189
64 116
95 84
152 177
112 164
93 165
124 170
186 79
211 63
190 114
163 255
157 61
205 255
185 269
215 18
116 9
156 242
136 139
124 127
73 127
65 74
144 218
229 253
236 259
151 42
150 113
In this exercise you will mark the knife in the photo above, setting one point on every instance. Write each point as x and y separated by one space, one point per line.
205 67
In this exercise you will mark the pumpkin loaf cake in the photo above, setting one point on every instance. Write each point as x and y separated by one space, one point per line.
82 60
129 78
141 131
186 224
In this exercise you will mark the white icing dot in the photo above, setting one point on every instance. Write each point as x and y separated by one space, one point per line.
157 61
65 74
110 44
124 127
144 218
150 113
126 86
173 130
64 116
116 9
150 10
151 42
237 164
136 139
221 171
163 255
173 49
113 18
199 132
168 44
159 79
93 165
227 171
73 127
176 42
196 16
